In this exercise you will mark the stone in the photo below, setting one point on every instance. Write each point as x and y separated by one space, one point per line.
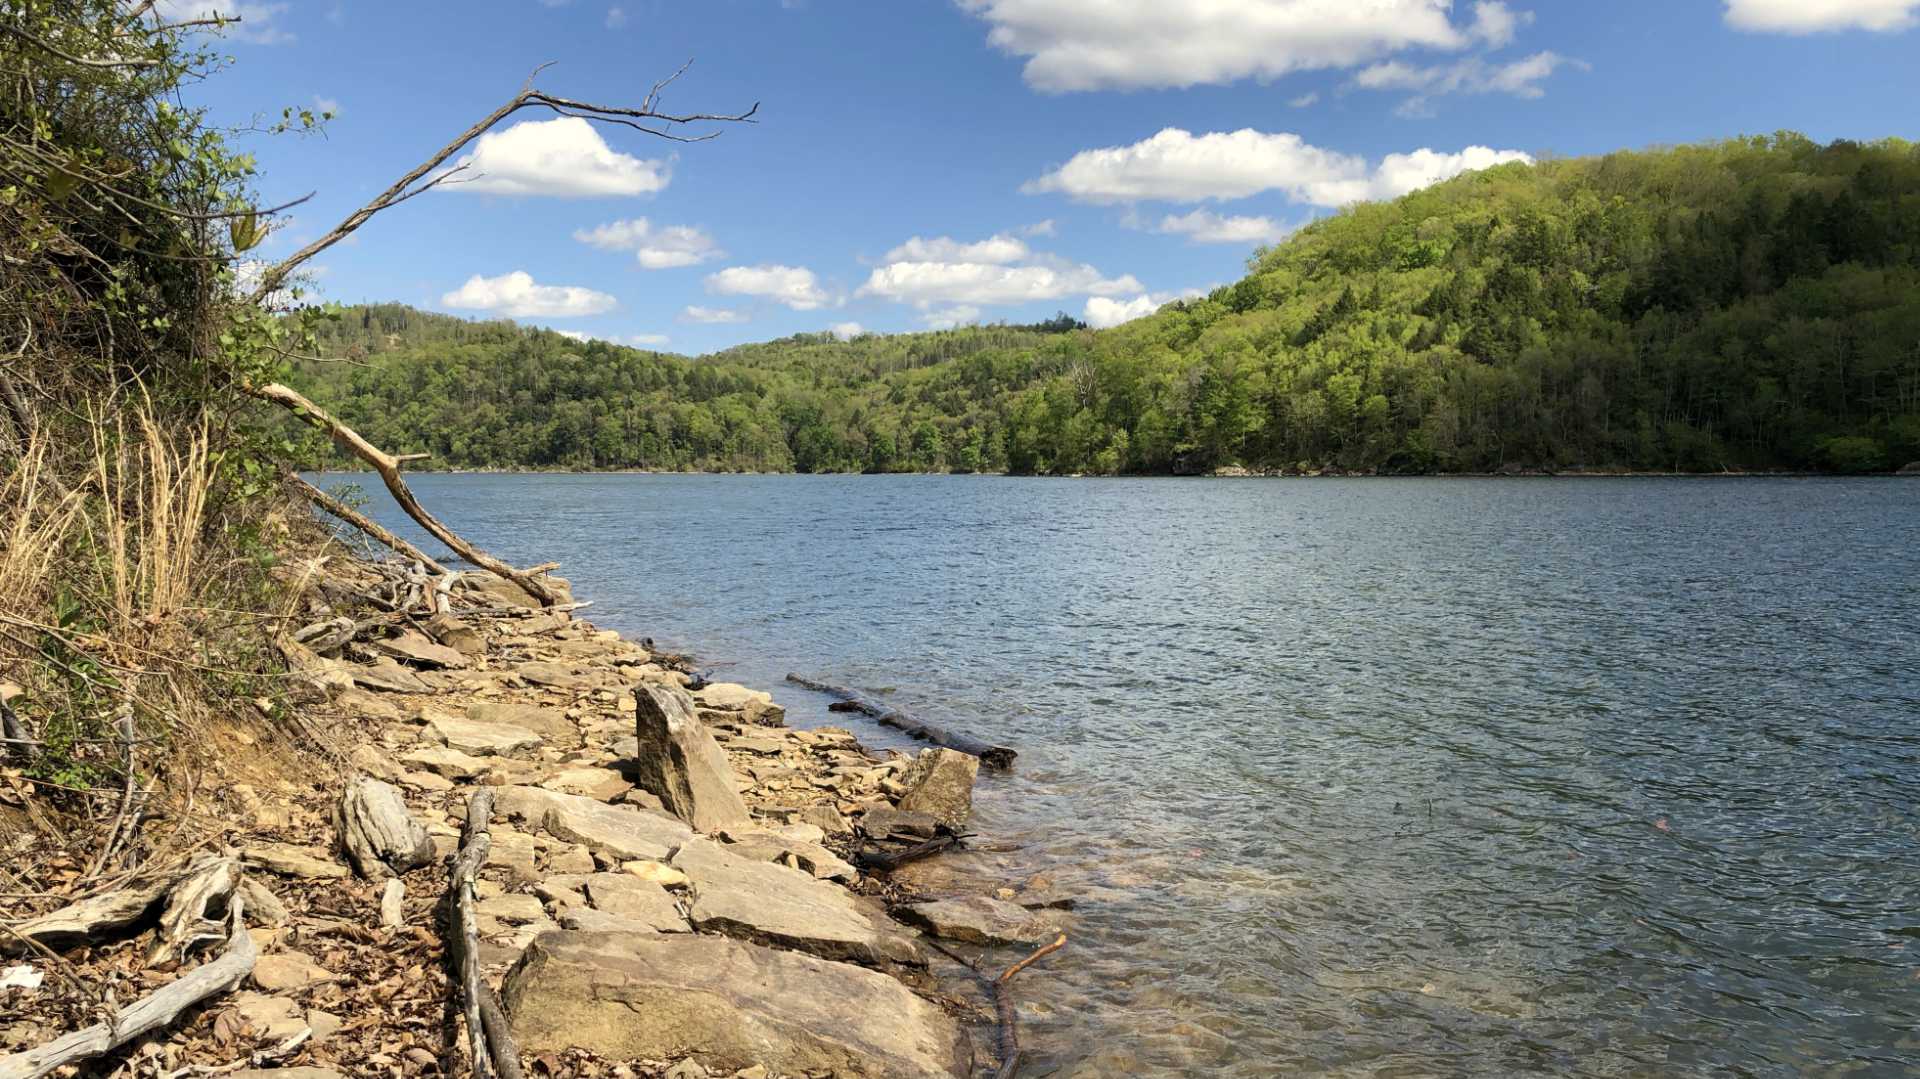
270 1018
444 761
393 911
325 1024
644 799
455 634
659 873
574 859
763 746
811 858
426 781
365 758
548 723
882 821
827 819
621 833
284 972
479 739
514 851
636 899
976 920
261 905
385 674
553 675
587 920
599 784
772 904
686 1069
371 705
511 908
291 861
630 996
755 706
680 761
415 647
940 783
305 1071
507 594
378 832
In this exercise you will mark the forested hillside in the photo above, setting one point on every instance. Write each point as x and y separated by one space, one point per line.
1747 304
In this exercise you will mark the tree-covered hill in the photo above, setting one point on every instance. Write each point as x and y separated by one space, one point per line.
1751 304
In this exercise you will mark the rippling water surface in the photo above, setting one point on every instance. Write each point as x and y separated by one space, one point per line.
1370 777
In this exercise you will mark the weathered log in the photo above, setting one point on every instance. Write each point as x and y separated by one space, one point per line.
489 1037
362 522
377 831
997 756
93 917
193 907
149 1014
886 861
389 471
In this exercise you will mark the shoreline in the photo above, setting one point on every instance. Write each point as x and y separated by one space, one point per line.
1241 474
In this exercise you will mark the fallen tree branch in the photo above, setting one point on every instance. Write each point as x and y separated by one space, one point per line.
887 861
151 1013
996 756
389 471
489 1038
361 521
1003 1004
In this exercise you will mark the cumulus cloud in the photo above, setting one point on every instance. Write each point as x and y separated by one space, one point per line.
258 24
656 248
565 158
1132 44
1038 228
1521 78
846 331
576 335
1206 227
794 286
1178 166
926 284
649 340
1000 248
1102 312
1816 16
516 295
712 315
946 318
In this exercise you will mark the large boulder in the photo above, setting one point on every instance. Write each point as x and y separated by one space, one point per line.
621 833
378 832
732 1005
772 904
681 763
940 782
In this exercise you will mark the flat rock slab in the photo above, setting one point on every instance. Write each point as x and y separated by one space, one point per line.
599 784
554 675
290 861
289 972
443 761
772 904
416 648
549 723
884 821
731 1004
623 833
642 901
479 739
977 920
809 857
388 676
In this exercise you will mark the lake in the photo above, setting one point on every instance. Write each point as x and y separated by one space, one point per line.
1356 777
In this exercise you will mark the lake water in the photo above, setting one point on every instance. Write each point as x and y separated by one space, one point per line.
1358 777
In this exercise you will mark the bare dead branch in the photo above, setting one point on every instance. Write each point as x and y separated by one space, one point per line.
49 47
360 521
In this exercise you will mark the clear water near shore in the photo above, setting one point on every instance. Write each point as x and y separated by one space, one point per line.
1370 777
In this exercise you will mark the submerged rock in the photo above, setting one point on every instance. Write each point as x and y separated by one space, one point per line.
682 764
734 1004
977 920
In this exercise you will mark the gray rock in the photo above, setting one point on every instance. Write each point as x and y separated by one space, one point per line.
555 675
389 676
940 782
976 920
772 904
378 832
637 900
416 648
623 833
680 761
733 1005
883 821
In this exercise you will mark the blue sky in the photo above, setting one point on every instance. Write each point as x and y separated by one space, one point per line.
923 163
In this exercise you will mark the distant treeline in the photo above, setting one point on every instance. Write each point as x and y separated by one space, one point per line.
1752 304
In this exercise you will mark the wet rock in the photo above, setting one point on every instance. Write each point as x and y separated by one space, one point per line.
940 783
619 832
976 920
416 648
639 900
630 996
378 832
772 904
284 972
548 723
682 764
479 739
291 861
884 821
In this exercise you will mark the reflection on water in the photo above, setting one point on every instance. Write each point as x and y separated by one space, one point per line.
1376 777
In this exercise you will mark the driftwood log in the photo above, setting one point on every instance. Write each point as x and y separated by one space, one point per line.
361 521
220 975
489 1037
886 861
388 468
996 756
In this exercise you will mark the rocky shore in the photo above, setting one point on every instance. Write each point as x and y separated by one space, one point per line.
672 886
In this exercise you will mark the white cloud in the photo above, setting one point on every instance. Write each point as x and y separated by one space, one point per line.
1816 16
565 158
578 335
712 315
1102 312
650 340
517 296
326 104
947 318
926 284
258 23
1038 228
1521 78
1178 166
1131 44
794 286
1000 248
616 18
846 331
1306 100
656 248
1206 227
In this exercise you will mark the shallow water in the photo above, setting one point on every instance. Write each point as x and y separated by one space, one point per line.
1367 777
